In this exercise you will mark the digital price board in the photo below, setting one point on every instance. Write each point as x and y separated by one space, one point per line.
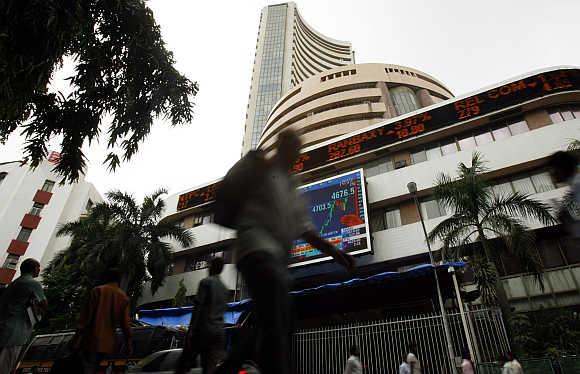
338 210
406 127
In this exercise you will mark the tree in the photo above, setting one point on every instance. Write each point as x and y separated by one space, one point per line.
122 234
122 70
480 216
180 298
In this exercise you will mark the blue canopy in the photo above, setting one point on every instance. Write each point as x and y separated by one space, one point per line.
181 316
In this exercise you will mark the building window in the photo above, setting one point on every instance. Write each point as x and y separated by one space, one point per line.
432 209
379 166
404 99
202 219
542 182
89 205
418 156
523 185
377 221
550 254
483 138
392 218
467 143
47 186
2 176
36 209
502 189
564 114
519 127
501 133
449 148
11 261
433 153
24 234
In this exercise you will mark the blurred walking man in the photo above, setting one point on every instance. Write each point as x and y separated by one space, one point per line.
206 335
272 215
353 364
106 309
15 323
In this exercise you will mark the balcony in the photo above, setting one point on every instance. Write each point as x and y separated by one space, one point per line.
42 197
17 247
30 221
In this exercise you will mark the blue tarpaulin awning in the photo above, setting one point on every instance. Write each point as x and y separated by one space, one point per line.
181 316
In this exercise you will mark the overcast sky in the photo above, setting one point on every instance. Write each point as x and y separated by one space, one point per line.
467 45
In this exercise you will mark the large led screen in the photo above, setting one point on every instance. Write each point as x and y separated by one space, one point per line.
339 212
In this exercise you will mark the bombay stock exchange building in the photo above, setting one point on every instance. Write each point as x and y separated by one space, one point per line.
288 51
515 125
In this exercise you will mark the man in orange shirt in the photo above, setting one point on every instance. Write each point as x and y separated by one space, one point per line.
106 309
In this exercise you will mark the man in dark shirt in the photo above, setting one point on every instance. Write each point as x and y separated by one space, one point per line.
206 335
106 309
15 324
271 218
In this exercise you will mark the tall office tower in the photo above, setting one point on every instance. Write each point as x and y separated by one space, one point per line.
288 51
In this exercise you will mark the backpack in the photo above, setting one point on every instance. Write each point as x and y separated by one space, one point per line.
234 190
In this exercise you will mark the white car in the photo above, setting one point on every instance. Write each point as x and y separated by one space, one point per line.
162 362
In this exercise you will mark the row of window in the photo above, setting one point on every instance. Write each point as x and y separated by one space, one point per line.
469 140
339 74
388 218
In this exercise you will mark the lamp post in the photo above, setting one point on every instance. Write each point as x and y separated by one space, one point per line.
412 187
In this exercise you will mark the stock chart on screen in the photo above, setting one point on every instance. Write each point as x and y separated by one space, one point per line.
338 210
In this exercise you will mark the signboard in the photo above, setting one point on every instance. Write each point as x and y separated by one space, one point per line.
407 127
338 210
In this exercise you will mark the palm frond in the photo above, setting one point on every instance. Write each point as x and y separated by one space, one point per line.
521 205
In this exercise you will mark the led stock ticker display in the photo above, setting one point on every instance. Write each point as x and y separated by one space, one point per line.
477 105
338 210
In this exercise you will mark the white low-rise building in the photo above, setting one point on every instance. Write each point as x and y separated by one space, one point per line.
33 206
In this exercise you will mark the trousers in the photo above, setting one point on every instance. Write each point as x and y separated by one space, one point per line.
267 282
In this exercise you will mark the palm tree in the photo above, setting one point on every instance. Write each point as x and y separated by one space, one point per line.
484 224
123 234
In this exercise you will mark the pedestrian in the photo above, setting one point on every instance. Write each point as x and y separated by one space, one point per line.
353 365
206 336
404 368
467 366
563 169
273 215
412 360
512 365
106 309
17 304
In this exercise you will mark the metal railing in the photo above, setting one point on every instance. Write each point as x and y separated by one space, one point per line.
383 343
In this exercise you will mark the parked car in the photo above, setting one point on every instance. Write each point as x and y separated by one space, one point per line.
46 348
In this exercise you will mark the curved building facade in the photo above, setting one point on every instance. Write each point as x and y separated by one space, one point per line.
349 98
288 51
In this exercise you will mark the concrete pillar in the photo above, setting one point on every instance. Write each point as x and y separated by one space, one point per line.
424 98
386 98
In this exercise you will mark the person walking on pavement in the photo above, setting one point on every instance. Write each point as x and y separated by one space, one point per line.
106 309
404 368
512 365
15 324
271 217
412 360
353 364
467 366
206 336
